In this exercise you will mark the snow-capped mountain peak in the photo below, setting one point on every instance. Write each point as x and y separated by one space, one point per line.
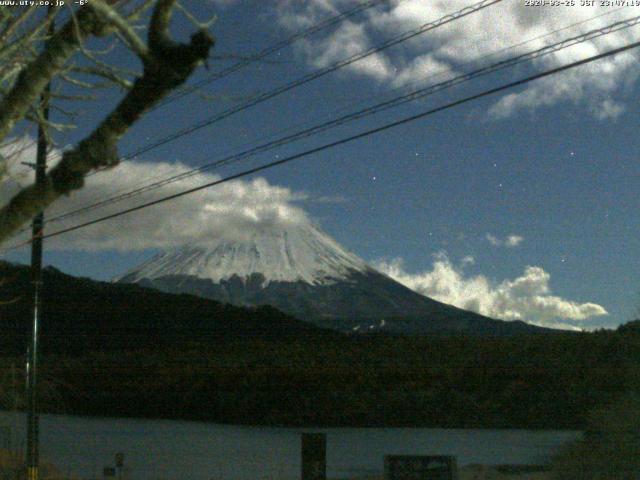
299 253
303 272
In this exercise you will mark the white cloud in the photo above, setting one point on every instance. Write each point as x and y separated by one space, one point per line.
609 109
422 66
235 209
348 40
468 260
513 240
231 210
493 29
510 241
527 297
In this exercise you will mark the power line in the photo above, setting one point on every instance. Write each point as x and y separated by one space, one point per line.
329 22
315 75
397 101
352 138
125 194
312 76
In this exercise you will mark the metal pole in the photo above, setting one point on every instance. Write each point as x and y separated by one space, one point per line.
32 454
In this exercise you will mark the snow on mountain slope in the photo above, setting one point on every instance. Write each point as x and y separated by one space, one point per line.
295 254
303 272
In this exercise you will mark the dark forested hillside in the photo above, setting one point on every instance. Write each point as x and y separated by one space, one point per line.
80 315
527 382
136 352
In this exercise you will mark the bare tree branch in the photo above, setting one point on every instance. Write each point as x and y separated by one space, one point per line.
124 28
194 21
106 73
15 23
139 10
35 76
167 65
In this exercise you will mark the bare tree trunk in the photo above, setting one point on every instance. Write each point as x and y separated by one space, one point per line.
167 64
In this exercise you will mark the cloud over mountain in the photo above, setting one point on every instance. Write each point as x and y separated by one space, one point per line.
231 210
527 297
239 210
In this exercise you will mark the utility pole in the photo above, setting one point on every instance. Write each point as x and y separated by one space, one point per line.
36 281
33 421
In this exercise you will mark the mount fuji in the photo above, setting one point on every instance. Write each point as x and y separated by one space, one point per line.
303 272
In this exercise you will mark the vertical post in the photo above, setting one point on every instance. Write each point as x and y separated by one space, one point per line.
119 464
36 281
32 454
314 456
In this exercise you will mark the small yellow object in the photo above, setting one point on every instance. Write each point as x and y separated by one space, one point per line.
32 473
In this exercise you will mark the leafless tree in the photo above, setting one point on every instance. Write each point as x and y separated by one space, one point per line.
32 54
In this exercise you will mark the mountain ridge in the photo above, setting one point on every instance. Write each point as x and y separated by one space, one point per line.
305 273
300 253
81 314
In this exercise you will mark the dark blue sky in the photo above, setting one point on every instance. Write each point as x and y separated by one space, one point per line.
557 172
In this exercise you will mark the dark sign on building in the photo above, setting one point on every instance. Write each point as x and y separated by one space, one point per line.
314 456
410 467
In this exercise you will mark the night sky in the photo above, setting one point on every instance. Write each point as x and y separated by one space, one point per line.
519 205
